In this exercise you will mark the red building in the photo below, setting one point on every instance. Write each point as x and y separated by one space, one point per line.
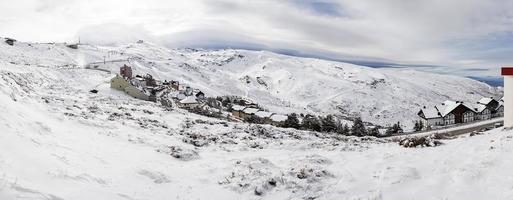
126 72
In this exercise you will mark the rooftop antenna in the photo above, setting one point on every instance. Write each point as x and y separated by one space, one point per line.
79 40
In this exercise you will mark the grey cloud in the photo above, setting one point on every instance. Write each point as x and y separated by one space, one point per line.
422 32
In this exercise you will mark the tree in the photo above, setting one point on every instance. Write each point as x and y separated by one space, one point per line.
292 121
328 124
374 131
394 129
346 130
255 119
358 128
311 122
342 129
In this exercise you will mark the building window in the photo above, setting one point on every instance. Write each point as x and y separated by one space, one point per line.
468 117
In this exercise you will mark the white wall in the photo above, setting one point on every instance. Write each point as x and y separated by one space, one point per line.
508 101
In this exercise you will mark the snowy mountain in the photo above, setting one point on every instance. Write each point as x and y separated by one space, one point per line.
280 83
59 141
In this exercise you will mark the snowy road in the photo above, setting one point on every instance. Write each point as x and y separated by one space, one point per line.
455 130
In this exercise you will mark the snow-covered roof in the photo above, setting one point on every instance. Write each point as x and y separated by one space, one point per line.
430 113
238 108
250 110
263 114
189 100
447 107
278 118
479 107
485 100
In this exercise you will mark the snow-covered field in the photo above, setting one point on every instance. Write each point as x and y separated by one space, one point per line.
58 141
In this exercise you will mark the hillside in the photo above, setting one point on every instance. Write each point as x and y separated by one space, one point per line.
280 83
59 141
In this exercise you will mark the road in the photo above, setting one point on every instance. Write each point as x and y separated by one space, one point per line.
454 131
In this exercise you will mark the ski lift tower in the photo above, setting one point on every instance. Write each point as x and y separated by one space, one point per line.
507 72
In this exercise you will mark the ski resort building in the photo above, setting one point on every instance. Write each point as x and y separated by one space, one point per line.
447 113
499 111
244 113
189 102
137 93
248 112
126 72
456 112
119 83
431 117
482 112
237 111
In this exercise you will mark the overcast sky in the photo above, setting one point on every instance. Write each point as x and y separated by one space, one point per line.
468 36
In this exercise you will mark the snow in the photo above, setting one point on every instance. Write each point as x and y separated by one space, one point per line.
59 141
278 118
238 108
479 107
278 83
485 100
263 114
250 110
431 113
189 100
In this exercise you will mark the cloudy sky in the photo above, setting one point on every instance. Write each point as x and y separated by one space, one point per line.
468 37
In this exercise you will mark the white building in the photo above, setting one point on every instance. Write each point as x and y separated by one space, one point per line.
447 113
482 112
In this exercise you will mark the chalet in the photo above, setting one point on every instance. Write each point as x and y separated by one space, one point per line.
248 112
189 102
490 103
499 111
10 41
266 116
448 113
482 112
278 120
431 117
237 111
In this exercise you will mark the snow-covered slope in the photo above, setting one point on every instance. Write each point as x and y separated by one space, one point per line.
282 84
59 141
